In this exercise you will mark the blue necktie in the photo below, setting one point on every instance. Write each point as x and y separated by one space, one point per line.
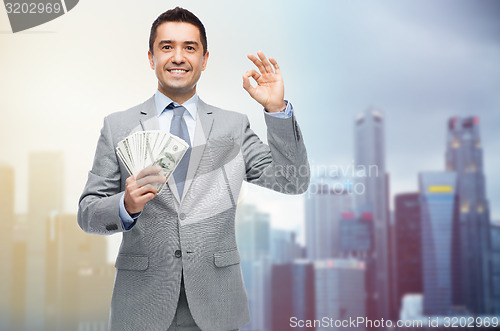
178 128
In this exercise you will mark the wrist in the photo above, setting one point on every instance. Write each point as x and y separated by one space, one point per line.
131 211
276 108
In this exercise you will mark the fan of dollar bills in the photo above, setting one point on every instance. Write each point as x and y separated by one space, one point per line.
145 148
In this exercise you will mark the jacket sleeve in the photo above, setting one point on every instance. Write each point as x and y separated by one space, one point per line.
98 210
282 165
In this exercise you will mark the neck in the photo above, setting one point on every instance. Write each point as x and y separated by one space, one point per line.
178 97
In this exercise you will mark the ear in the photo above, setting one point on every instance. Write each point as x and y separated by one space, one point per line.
151 60
205 61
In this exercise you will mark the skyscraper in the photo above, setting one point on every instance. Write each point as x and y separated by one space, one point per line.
439 219
18 268
327 199
495 265
252 232
79 280
293 294
408 242
45 199
6 232
464 156
283 247
371 175
339 290
253 238
356 234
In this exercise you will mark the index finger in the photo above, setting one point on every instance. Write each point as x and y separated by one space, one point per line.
154 169
257 62
265 62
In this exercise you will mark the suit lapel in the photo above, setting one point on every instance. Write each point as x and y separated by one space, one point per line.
148 118
204 122
149 121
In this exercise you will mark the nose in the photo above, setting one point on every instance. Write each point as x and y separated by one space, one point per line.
177 56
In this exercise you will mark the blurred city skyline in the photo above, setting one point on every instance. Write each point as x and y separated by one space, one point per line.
419 62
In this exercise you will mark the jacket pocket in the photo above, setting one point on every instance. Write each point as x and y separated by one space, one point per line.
224 259
132 262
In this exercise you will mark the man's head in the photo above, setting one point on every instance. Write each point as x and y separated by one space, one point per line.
178 14
178 53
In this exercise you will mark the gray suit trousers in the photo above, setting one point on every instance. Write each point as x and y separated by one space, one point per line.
183 320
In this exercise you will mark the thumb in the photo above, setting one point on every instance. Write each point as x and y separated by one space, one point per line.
247 86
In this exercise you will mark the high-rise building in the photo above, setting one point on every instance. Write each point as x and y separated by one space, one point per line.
283 247
357 242
260 294
464 156
495 267
293 294
340 291
356 234
6 233
408 245
439 224
19 272
252 232
371 176
79 280
45 199
253 238
327 199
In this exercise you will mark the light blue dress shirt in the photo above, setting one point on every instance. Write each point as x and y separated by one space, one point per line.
165 117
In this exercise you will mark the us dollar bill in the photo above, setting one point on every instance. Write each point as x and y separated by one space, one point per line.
145 148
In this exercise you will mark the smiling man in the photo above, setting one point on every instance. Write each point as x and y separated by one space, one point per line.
178 265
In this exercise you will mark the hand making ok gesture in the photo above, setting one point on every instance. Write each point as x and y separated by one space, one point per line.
270 90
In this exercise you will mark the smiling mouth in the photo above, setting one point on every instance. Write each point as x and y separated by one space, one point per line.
177 71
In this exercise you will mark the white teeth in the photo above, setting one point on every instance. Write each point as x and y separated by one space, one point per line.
178 70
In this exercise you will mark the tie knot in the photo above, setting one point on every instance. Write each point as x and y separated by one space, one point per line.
178 110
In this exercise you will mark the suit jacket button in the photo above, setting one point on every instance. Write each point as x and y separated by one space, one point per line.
182 216
178 253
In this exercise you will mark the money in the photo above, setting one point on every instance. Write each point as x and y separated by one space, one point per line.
145 148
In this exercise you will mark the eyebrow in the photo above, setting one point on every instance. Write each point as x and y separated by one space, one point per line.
187 42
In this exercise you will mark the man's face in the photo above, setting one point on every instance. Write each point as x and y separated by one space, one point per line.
177 59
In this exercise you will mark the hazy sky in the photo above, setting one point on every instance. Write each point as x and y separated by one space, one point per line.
420 62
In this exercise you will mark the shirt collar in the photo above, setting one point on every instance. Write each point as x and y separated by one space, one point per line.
162 101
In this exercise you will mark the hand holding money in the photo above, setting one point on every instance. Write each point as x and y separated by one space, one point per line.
150 157
140 189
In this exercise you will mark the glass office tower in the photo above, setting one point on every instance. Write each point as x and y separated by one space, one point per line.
439 219
371 175
464 156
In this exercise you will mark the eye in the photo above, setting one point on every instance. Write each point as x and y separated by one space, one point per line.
166 47
190 48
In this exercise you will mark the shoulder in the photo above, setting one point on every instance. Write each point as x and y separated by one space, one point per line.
132 114
222 114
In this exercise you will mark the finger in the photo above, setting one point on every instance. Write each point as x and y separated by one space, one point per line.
151 179
264 60
254 74
144 190
246 84
145 198
130 180
258 63
154 169
275 65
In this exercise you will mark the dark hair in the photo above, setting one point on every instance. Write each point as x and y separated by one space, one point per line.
178 14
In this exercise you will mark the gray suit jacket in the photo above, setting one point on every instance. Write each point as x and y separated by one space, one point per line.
200 223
